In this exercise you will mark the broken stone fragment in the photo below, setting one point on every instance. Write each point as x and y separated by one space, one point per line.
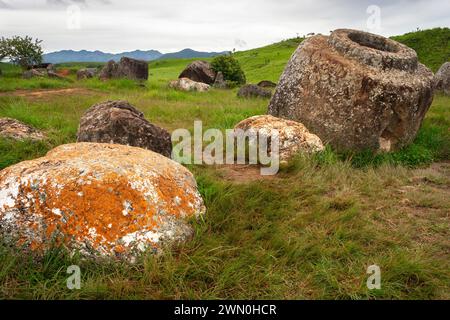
293 136
14 129
185 84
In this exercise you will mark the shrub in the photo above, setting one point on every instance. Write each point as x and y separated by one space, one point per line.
230 68
22 51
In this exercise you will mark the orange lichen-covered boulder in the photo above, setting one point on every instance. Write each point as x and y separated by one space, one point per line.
98 199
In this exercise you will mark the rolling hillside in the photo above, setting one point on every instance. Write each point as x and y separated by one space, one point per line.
432 45
267 63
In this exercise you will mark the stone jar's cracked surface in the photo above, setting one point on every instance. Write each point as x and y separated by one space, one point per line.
101 200
119 122
355 90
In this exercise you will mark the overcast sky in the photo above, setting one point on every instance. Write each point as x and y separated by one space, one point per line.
207 25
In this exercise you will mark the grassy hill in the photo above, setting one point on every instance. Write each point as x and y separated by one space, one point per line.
432 46
267 63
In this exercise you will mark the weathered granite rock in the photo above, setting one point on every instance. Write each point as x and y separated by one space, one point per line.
253 91
133 69
293 136
14 129
442 78
32 73
267 84
126 68
54 75
199 71
86 73
101 200
220 82
185 84
355 90
121 123
51 67
109 71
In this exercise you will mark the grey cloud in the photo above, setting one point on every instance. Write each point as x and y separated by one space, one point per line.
117 25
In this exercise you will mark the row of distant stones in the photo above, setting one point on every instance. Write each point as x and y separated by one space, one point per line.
116 193
197 76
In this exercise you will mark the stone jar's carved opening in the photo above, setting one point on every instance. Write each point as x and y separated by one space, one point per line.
373 50
373 41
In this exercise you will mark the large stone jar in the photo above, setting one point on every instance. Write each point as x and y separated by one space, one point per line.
355 90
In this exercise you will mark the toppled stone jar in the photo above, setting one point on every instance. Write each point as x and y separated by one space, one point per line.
355 90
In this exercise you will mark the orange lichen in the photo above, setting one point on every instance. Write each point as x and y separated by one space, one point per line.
98 204
176 199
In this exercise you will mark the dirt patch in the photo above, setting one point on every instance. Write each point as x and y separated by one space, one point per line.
418 209
48 93
437 175
242 173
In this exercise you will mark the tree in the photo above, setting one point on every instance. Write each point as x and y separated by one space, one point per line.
22 51
230 68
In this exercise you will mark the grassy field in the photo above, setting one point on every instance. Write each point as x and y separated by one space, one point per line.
308 233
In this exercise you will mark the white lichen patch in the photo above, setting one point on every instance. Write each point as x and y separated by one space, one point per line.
127 207
56 211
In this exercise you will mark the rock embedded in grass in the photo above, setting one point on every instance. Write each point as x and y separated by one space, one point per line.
119 122
253 91
100 200
267 84
199 71
86 73
54 75
220 82
126 68
185 84
294 137
14 129
442 78
32 74
133 69
355 90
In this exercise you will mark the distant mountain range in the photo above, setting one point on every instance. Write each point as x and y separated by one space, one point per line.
99 56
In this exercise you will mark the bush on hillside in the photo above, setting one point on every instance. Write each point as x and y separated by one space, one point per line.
230 68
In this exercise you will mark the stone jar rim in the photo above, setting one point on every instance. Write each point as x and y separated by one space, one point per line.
373 50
